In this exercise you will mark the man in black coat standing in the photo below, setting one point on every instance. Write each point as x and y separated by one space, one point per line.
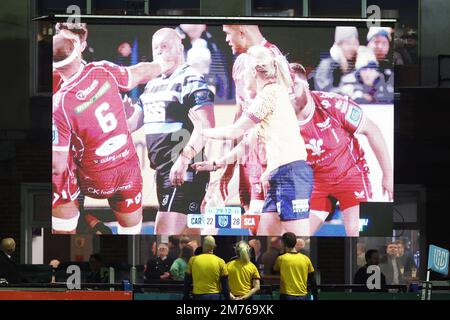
8 268
372 259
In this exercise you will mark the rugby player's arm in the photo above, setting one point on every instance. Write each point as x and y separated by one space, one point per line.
143 72
237 153
255 289
313 284
204 115
59 161
380 149
233 131
136 120
225 287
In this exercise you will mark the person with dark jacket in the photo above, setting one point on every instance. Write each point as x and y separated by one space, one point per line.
174 248
159 267
271 255
390 266
97 273
8 268
372 259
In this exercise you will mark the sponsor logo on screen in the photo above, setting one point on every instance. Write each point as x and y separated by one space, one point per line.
300 205
438 259
360 195
103 89
82 94
223 221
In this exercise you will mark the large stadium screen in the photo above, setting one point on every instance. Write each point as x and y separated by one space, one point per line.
235 129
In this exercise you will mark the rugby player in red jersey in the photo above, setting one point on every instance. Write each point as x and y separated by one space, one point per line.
89 117
241 38
65 189
328 124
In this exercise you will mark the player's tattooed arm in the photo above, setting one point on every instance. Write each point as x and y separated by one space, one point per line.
205 118
380 149
135 115
143 72
59 162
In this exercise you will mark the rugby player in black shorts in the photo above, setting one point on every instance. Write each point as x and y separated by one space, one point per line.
172 142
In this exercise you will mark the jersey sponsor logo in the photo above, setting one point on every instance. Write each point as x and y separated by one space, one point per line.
193 206
203 96
56 98
315 146
360 195
300 205
354 116
327 95
324 125
103 89
325 103
111 145
135 200
103 192
55 137
338 104
165 200
223 221
82 94
154 111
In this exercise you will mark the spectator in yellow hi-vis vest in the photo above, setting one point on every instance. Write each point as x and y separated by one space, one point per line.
296 271
208 274
243 275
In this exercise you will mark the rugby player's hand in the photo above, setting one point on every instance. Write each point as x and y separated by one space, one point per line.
225 180
178 171
203 166
387 185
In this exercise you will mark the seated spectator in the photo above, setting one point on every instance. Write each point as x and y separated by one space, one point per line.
97 273
379 41
8 267
341 60
366 84
372 259
197 37
179 266
158 268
